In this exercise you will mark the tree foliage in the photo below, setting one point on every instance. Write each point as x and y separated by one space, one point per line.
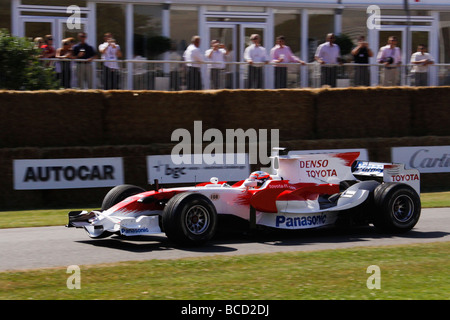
345 43
20 68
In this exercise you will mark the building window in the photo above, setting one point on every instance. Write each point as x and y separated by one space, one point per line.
111 18
319 25
288 25
65 3
5 16
354 24
183 25
444 36
147 26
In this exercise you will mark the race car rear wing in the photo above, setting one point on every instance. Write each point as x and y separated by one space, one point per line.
387 172
335 165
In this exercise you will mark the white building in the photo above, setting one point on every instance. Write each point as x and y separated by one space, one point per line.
304 23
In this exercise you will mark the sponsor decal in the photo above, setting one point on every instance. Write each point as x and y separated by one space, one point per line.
313 163
367 167
321 163
296 222
133 231
214 196
321 173
282 185
405 177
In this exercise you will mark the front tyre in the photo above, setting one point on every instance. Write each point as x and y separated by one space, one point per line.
397 207
119 193
189 219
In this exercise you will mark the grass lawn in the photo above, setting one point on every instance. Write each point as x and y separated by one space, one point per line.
419 271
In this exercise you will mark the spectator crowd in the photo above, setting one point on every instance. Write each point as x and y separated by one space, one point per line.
219 56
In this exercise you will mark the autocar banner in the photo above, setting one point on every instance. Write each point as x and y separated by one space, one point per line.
34 174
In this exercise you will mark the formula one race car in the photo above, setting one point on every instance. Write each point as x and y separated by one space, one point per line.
303 191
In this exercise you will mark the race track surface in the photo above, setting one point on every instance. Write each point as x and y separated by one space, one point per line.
32 248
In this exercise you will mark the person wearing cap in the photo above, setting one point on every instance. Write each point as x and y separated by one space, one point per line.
255 55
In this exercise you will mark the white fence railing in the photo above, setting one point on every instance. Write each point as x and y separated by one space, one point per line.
180 75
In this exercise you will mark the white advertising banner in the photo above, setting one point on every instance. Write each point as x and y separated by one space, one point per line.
363 154
34 174
432 159
162 168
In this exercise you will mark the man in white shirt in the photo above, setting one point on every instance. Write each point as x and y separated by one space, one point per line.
110 52
421 60
328 54
390 56
217 56
194 57
255 55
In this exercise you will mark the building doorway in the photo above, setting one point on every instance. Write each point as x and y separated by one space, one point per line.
235 36
410 32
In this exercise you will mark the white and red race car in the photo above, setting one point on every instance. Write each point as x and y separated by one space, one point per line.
303 191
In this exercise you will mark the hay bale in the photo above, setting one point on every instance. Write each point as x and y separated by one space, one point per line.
363 112
290 111
431 114
144 117
51 118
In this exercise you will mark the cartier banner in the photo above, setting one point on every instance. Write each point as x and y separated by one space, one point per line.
432 159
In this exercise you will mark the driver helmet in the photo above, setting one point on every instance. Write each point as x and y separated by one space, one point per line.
260 177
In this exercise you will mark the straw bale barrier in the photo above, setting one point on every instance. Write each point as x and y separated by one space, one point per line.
431 111
368 112
88 118
51 118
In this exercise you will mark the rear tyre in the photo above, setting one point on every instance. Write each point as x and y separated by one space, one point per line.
189 219
118 194
397 207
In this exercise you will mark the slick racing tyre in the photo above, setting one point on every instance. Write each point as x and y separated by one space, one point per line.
189 219
119 193
397 207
